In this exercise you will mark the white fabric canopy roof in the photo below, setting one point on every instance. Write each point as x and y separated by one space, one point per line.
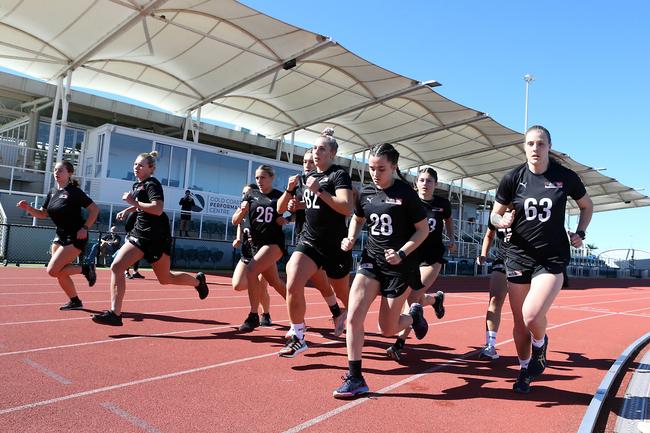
246 68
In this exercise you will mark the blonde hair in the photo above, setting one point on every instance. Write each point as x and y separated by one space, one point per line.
150 157
328 138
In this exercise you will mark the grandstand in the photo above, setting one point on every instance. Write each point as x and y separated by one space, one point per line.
280 86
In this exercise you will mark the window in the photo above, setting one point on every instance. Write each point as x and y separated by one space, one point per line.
124 149
170 168
217 173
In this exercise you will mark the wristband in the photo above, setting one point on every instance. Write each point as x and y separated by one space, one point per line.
289 192
85 227
320 190
582 234
401 254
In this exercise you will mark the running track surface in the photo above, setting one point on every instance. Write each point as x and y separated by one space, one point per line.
178 365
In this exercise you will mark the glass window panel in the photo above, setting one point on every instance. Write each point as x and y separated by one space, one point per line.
162 164
124 149
217 173
177 168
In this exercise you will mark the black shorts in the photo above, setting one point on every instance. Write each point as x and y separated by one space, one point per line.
498 266
65 239
335 262
186 217
153 249
431 256
521 274
392 283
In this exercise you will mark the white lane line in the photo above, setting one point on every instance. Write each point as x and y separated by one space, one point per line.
359 401
46 371
132 419
132 383
129 313
161 334
103 301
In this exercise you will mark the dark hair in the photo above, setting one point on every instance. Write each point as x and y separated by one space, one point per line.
391 154
430 171
70 169
187 191
540 128
252 186
328 137
150 157
266 169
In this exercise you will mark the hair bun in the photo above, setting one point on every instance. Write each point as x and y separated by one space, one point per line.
328 132
154 154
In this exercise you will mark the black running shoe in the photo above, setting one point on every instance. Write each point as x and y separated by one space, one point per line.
394 353
71 305
522 384
266 320
439 304
352 387
127 275
137 274
202 288
538 360
251 322
420 325
107 318
90 273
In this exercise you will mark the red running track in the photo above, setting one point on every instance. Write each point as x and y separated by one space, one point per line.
177 364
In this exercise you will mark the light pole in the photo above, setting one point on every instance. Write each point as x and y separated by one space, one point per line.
527 78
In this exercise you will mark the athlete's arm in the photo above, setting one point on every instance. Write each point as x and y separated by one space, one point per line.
498 217
283 201
586 212
420 234
449 227
341 202
356 224
240 213
36 213
485 247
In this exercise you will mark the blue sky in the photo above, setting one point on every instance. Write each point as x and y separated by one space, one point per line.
591 61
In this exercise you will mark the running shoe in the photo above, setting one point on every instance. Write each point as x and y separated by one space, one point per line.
251 322
266 320
522 384
420 325
127 275
294 346
339 322
489 353
89 271
71 305
202 288
352 386
137 274
439 304
394 353
538 359
107 318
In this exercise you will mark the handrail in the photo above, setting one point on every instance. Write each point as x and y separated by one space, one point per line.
602 393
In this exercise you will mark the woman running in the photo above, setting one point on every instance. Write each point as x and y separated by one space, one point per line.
498 286
431 252
539 252
260 231
319 280
244 241
63 205
150 238
397 225
328 200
